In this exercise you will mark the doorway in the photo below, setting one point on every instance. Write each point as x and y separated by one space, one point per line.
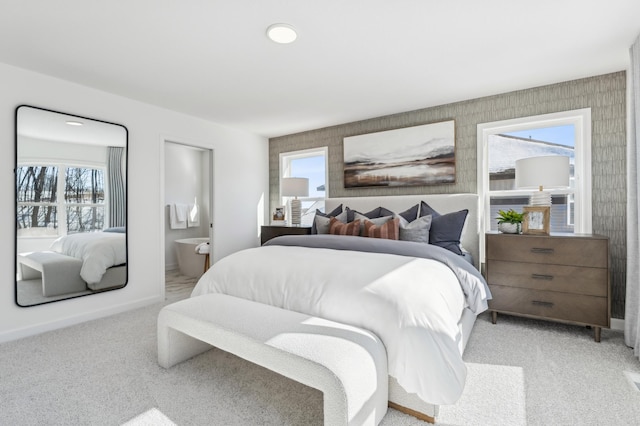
188 215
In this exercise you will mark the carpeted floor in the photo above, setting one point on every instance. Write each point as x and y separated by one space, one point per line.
105 372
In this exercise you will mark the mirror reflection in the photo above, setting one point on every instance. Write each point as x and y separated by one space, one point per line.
71 206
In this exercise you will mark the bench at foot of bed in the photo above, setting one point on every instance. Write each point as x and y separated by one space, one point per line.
348 364
60 274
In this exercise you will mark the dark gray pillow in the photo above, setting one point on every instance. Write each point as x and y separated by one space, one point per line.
416 231
334 213
373 214
446 229
119 229
410 214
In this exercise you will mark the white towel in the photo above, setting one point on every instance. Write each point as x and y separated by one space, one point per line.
174 217
193 219
181 211
202 248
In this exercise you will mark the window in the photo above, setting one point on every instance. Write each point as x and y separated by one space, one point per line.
312 164
40 209
500 144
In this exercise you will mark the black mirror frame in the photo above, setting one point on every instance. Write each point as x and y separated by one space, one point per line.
15 205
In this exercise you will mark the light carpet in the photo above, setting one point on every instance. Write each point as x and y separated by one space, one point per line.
105 372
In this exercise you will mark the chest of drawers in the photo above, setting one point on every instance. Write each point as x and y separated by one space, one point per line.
558 277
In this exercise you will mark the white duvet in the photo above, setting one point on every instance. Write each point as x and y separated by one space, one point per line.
98 251
412 304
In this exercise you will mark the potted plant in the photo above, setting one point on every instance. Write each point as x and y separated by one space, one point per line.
510 221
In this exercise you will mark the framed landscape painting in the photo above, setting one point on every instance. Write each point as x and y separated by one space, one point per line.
419 155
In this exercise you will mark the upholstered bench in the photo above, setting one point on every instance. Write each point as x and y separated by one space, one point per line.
60 274
348 364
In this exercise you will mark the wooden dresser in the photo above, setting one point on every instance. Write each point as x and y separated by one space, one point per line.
563 277
268 232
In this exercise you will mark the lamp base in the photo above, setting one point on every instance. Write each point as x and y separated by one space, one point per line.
296 211
540 198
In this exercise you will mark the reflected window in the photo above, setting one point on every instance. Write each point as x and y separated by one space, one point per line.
42 213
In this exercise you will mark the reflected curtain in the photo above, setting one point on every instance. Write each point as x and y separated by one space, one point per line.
632 301
117 193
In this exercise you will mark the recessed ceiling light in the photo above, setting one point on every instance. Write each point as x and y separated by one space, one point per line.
74 123
282 33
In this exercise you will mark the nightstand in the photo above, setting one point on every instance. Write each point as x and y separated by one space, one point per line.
268 232
563 277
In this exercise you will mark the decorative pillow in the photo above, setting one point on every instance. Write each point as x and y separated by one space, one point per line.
119 229
376 221
321 223
446 229
373 214
416 231
387 231
410 214
334 213
338 228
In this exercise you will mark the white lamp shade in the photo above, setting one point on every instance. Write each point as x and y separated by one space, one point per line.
295 187
551 171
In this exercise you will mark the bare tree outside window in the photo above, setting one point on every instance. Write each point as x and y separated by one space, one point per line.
36 191
84 196
39 208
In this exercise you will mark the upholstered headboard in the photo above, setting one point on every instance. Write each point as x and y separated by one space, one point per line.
442 203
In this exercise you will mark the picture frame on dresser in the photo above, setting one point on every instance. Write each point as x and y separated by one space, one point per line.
536 220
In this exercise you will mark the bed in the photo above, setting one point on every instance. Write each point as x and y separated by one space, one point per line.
420 298
103 255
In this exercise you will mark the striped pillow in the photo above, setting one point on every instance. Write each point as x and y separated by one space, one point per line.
390 230
338 228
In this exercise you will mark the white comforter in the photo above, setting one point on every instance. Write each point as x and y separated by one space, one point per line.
98 251
412 304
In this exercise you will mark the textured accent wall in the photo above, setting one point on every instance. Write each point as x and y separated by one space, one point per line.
605 95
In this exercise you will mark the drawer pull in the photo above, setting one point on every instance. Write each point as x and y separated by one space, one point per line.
540 250
542 277
541 303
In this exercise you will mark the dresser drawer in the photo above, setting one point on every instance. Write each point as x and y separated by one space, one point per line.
573 251
551 305
567 279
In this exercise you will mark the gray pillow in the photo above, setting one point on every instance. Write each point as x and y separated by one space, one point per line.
378 221
335 212
416 231
321 223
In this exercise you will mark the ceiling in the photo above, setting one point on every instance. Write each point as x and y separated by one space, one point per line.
353 60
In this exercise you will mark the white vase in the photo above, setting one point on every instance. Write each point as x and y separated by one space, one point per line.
509 228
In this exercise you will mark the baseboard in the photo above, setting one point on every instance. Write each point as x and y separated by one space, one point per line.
617 324
32 330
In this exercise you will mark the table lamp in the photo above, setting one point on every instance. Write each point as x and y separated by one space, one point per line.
551 171
295 187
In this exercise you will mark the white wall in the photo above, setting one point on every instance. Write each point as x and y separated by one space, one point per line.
239 157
